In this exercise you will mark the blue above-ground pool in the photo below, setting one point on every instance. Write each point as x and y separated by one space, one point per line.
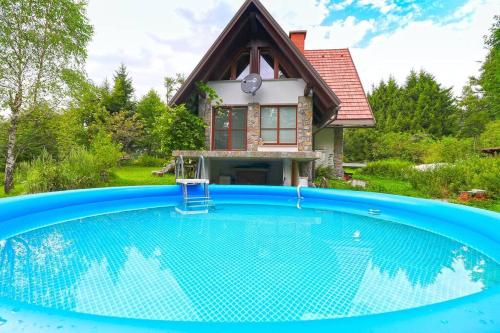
263 259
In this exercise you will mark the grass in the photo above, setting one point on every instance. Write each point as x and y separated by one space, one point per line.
136 176
121 176
400 187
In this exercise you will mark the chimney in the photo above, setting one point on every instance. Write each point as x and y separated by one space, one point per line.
298 37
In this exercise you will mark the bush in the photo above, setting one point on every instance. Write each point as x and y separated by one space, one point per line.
107 153
149 161
448 180
80 168
40 174
450 149
178 129
324 171
392 168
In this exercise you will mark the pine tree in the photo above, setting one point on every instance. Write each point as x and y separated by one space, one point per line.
122 94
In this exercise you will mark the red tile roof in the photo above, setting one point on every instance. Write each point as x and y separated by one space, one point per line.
337 69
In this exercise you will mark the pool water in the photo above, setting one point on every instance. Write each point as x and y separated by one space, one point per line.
239 263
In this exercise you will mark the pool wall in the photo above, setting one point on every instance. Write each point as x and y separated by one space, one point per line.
479 229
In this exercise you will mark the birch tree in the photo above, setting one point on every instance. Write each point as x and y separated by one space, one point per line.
39 41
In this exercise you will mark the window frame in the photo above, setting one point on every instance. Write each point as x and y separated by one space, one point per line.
278 128
230 128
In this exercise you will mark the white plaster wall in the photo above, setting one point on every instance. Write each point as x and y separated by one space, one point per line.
323 141
286 91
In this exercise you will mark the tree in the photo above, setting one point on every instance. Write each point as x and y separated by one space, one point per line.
149 108
39 40
126 129
121 97
172 84
489 78
179 129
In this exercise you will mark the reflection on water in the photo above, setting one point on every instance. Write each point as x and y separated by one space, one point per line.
240 263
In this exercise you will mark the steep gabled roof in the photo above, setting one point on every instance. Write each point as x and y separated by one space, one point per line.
337 68
251 13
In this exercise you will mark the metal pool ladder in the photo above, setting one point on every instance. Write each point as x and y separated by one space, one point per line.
200 203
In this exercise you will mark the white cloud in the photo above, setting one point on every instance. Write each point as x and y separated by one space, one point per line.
163 38
384 6
451 51
341 5
343 33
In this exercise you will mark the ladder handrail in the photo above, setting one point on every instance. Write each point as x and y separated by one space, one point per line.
179 167
200 170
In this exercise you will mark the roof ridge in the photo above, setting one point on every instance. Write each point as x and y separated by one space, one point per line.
342 48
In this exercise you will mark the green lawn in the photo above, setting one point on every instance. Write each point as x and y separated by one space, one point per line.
136 176
122 176
400 187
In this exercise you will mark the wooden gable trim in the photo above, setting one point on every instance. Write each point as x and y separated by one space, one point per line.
324 97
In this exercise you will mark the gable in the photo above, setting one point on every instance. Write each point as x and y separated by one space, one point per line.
253 23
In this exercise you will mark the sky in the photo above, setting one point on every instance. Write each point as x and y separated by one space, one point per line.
157 38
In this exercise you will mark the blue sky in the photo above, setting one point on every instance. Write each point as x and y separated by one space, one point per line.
386 37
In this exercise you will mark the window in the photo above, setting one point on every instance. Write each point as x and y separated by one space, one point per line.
242 66
230 129
278 125
266 65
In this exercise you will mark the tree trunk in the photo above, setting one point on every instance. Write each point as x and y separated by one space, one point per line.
11 159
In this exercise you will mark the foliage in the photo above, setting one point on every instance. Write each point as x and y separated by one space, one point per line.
146 160
489 78
39 42
324 172
149 108
420 105
491 135
391 168
172 85
179 129
121 97
448 180
41 174
450 149
106 152
127 129
79 168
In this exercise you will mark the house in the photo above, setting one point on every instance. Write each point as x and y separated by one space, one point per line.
293 123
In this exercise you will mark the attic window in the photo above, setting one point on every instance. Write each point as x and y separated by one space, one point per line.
243 66
266 65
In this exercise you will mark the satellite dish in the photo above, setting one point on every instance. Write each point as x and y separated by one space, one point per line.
251 83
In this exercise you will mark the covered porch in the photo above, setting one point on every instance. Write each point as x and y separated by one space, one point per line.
255 167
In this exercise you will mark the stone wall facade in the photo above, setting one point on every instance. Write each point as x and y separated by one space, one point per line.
253 127
305 124
338 151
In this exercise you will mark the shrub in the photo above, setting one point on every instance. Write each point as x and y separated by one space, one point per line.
491 135
449 149
107 153
178 129
324 171
391 168
448 180
40 174
146 160
79 169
